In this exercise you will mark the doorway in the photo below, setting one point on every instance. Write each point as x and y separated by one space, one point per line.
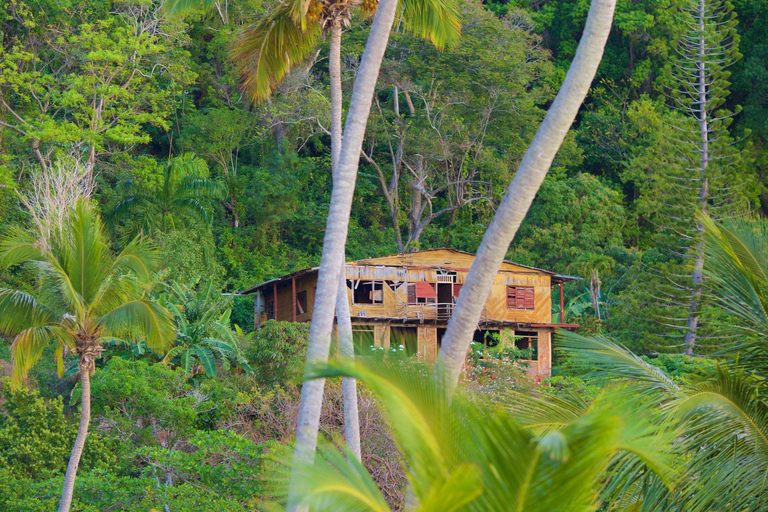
444 301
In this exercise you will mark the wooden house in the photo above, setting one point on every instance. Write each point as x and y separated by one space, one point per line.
408 299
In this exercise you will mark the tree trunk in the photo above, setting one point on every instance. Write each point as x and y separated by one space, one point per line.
698 268
335 240
348 384
521 192
82 433
334 65
343 321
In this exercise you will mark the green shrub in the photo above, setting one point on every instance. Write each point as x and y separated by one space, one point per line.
276 352
36 438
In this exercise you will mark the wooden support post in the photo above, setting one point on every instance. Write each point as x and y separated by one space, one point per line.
562 305
293 296
257 310
274 299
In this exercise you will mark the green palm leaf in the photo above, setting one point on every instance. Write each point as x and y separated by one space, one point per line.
206 358
268 48
509 468
18 246
141 317
433 20
611 360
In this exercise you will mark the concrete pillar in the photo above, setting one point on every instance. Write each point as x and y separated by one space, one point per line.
545 354
428 344
381 336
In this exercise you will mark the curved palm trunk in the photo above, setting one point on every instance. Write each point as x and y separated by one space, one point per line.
82 433
336 236
343 321
521 192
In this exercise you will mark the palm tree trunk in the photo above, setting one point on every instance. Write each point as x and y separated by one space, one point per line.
82 433
343 321
521 192
336 238
348 384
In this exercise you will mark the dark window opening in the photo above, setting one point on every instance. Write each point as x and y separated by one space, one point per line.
520 297
270 309
363 340
368 292
487 337
406 337
301 302
528 340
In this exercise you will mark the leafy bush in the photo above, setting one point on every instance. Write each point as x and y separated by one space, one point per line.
277 351
36 438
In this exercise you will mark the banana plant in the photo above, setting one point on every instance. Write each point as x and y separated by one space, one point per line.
204 336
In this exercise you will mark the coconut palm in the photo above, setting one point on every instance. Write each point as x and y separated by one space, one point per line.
203 334
179 201
267 49
521 192
84 294
471 454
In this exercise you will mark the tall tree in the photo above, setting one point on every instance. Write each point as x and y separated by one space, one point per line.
521 192
265 52
85 293
88 80
707 49
468 116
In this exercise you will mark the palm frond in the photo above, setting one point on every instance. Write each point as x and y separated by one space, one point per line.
434 20
727 438
82 258
268 48
19 311
545 414
737 264
28 347
515 470
138 258
609 359
18 246
206 358
340 483
183 7
141 318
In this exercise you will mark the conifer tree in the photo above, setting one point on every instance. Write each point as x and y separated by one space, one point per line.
692 167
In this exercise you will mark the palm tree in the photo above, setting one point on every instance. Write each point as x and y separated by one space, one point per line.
265 52
521 192
203 334
470 454
84 294
178 202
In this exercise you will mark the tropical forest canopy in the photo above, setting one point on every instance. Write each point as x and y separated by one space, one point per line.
143 111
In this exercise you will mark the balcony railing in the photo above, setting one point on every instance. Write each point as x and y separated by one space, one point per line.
431 311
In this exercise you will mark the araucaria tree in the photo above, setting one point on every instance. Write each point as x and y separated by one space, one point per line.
690 165
84 294
705 51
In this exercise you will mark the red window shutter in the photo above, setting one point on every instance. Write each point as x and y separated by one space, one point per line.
529 298
511 293
520 298
425 291
456 289
411 294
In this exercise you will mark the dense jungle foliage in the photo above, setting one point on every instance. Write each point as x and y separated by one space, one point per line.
148 108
